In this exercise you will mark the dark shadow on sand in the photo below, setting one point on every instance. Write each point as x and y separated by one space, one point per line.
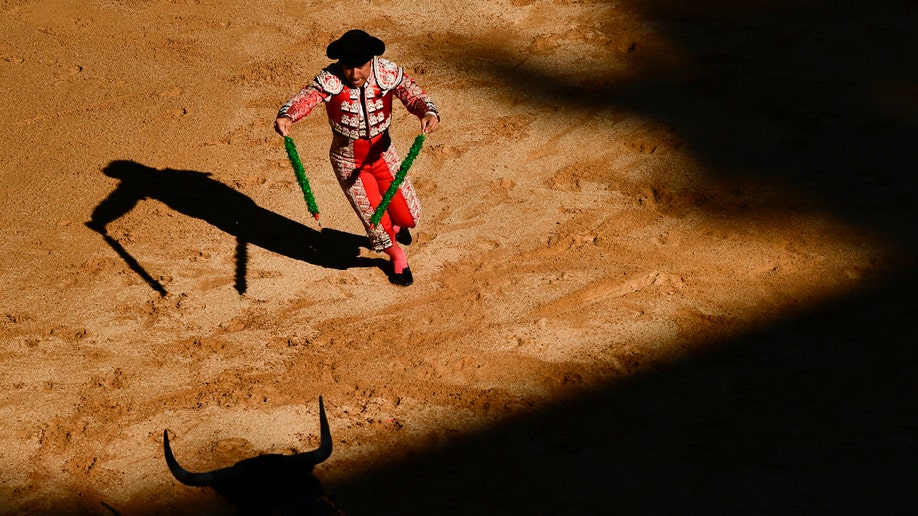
815 414
197 195
812 97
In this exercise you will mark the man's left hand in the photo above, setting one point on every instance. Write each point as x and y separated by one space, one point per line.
430 123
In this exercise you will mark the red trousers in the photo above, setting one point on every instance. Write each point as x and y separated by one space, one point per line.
365 170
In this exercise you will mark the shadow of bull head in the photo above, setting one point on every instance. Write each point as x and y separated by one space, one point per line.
271 483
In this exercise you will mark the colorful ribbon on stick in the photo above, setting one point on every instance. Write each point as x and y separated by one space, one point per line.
301 176
399 177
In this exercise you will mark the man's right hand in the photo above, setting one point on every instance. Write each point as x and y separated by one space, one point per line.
282 125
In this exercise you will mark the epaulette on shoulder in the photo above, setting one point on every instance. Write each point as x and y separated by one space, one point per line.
329 82
388 74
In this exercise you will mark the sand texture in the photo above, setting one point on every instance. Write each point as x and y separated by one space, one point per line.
665 263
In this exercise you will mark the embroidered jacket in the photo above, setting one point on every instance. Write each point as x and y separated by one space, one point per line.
362 112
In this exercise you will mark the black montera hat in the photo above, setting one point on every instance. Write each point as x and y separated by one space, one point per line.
355 48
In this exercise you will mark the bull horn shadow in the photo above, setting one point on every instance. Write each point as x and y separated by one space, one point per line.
267 484
197 195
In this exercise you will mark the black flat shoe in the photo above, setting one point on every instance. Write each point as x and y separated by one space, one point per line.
404 237
403 279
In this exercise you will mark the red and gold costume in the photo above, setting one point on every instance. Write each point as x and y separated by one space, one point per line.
362 154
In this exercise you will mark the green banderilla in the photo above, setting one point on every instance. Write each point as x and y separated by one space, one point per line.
301 176
399 177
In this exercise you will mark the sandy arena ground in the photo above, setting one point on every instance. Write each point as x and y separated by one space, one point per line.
665 265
